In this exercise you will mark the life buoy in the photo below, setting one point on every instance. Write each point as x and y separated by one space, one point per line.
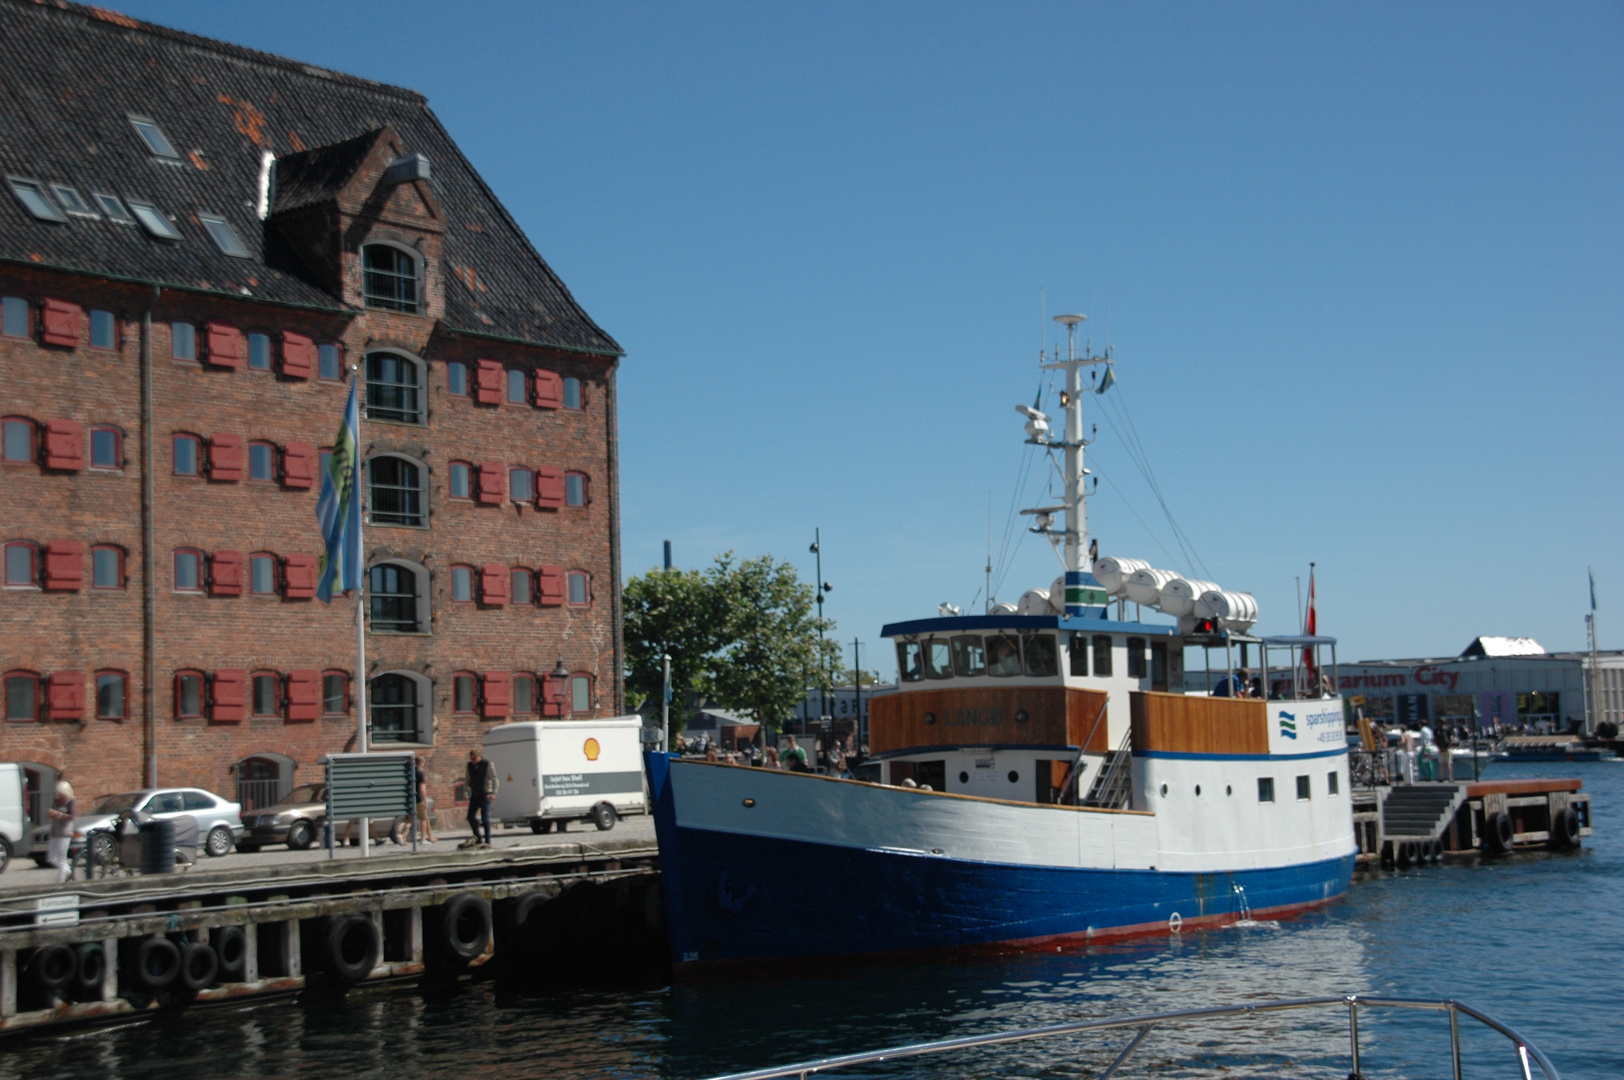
465 924
1498 833
198 966
1175 923
352 948
53 966
157 962
1565 829
231 949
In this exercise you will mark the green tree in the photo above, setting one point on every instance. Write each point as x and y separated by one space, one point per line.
677 612
772 641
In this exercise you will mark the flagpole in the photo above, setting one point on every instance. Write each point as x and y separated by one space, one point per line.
360 612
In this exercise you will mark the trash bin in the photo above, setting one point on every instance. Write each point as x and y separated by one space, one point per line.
158 847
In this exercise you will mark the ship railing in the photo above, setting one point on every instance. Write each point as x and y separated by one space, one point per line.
1527 1055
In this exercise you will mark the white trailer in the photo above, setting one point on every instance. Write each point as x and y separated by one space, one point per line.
567 770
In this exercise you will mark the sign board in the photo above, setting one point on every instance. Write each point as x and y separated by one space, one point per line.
371 786
651 736
57 910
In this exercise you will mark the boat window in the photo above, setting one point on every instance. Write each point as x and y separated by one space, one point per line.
1003 655
931 774
1078 650
1265 789
1158 665
1102 655
1040 658
938 659
910 661
969 658
1136 658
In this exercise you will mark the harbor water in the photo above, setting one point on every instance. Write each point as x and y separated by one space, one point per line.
1533 940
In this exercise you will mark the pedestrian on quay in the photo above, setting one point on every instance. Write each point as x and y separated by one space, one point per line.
61 814
795 757
481 789
425 829
1446 739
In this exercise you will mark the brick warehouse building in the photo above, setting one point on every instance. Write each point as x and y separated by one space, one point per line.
198 244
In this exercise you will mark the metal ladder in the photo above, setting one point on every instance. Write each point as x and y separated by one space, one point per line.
1113 784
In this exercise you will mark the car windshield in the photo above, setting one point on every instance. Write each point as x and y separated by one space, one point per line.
307 793
117 804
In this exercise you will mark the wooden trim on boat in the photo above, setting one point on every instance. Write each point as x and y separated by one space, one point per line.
1186 724
982 715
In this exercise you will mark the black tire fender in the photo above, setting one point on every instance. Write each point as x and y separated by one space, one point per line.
1498 833
352 948
231 950
157 962
92 970
1565 829
198 966
1406 854
465 926
53 966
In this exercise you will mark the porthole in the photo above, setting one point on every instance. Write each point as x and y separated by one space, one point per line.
1021 716
1228 790
1164 791
1014 777
1198 790
930 718
964 778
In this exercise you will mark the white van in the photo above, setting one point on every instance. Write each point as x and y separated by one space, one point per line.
567 770
15 828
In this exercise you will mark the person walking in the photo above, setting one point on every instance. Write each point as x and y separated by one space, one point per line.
795 757
61 814
1446 743
425 828
481 789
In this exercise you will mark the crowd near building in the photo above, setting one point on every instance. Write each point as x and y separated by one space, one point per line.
1496 683
201 248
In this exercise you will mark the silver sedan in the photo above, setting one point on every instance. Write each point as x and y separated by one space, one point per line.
219 821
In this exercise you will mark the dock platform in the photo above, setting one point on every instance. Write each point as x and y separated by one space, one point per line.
1405 824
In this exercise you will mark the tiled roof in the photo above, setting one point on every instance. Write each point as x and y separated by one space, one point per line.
71 77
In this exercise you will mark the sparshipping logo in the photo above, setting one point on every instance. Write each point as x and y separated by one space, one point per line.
1288 725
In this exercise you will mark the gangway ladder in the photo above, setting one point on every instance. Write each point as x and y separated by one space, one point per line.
1113 784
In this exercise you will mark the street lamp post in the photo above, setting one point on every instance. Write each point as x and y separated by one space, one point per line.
665 707
820 587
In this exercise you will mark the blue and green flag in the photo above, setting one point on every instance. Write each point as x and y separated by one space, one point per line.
339 508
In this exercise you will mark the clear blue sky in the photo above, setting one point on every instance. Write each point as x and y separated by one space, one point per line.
1363 267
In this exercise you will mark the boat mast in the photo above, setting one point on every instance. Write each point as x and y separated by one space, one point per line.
1075 473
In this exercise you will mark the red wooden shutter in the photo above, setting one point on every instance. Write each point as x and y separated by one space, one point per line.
225 457
304 695
299 577
62 323
64 565
550 580
225 573
65 695
298 355
492 481
64 444
549 390
493 584
550 706
230 694
488 382
549 487
298 465
225 345
497 698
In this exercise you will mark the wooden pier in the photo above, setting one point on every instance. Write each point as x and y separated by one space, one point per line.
86 951
1412 824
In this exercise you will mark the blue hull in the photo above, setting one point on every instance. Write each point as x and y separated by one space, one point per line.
734 899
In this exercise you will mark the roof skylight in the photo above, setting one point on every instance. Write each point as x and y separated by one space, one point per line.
113 208
224 236
153 136
152 219
31 193
71 200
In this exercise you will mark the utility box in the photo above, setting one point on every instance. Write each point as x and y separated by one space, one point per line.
567 770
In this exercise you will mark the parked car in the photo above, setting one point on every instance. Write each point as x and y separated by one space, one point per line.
219 821
298 821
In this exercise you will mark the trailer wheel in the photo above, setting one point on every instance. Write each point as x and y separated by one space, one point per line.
1565 829
1498 833
603 816
538 827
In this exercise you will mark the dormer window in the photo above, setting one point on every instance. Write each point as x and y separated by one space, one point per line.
31 193
153 220
391 278
223 235
153 136
71 200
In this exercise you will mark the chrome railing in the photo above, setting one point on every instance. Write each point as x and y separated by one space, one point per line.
1527 1053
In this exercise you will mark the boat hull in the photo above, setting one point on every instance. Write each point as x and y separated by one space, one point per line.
739 900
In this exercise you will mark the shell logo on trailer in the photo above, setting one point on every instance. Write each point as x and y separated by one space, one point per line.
591 749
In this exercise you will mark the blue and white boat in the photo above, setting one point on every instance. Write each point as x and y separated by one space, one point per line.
1048 779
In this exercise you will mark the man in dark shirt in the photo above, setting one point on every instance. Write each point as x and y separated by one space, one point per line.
481 786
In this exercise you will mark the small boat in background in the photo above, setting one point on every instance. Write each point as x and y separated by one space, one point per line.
1549 748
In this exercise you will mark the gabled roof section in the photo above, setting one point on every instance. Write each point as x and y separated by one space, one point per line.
308 177
71 77
1504 646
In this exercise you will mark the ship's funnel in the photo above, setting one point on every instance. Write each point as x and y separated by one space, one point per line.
1179 596
1113 573
1145 586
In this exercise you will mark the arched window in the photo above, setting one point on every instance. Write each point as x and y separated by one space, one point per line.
580 585
462 584
391 277
464 699
188 694
575 489
106 567
263 780
111 695
521 484
398 703
19 440
524 694
335 693
22 565
188 455
395 495
106 448
394 388
462 480
522 585
188 570
516 386
262 462
262 574
398 598
22 696
580 693
267 696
